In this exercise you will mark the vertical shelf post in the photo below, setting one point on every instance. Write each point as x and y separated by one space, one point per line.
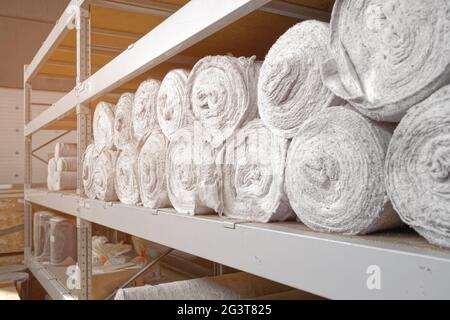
84 131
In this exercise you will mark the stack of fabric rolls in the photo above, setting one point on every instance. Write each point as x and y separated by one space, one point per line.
62 168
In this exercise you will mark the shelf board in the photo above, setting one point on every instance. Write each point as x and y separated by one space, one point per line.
332 266
65 201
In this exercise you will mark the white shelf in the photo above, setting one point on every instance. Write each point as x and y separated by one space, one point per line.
66 202
332 266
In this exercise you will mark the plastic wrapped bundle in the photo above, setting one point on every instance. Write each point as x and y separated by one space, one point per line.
104 174
41 235
253 175
418 168
388 55
63 241
144 118
103 126
335 176
89 158
66 164
152 171
221 93
127 178
123 135
193 177
290 87
172 110
64 149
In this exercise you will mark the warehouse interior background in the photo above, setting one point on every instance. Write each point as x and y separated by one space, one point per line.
226 150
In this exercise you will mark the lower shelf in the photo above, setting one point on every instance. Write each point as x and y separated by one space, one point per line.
389 265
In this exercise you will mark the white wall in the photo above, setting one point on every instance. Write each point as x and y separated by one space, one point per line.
12 140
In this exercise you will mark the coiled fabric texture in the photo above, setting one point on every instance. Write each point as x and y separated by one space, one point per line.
143 115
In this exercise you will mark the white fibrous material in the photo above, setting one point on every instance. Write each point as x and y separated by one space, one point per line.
63 241
64 180
335 175
65 149
66 164
105 253
418 168
172 110
144 118
290 87
253 175
104 174
388 55
123 135
193 176
51 169
127 179
221 93
89 158
103 126
152 171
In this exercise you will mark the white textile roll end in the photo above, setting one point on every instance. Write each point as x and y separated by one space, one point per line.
103 125
127 177
143 117
123 135
104 174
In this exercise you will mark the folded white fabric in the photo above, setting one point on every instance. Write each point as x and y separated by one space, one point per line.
388 55
65 149
418 168
290 87
143 116
89 158
64 180
221 93
253 175
123 135
193 177
51 169
103 125
66 164
127 178
335 176
152 171
104 174
172 110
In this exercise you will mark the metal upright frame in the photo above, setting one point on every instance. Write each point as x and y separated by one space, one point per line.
332 266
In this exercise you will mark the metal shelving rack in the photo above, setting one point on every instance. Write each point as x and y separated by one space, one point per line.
332 266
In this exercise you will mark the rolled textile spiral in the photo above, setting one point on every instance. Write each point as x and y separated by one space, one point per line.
253 175
221 94
388 55
127 178
335 176
172 110
89 158
104 174
152 171
290 87
143 116
193 176
103 125
418 168
123 134
65 149
66 164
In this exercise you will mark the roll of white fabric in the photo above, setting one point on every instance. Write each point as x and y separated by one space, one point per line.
127 178
104 174
144 118
221 93
103 125
123 134
66 164
388 55
290 87
65 149
193 177
172 110
152 171
51 170
335 176
89 158
64 180
418 168
253 175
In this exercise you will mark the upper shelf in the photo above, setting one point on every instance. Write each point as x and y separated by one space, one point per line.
332 266
123 50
